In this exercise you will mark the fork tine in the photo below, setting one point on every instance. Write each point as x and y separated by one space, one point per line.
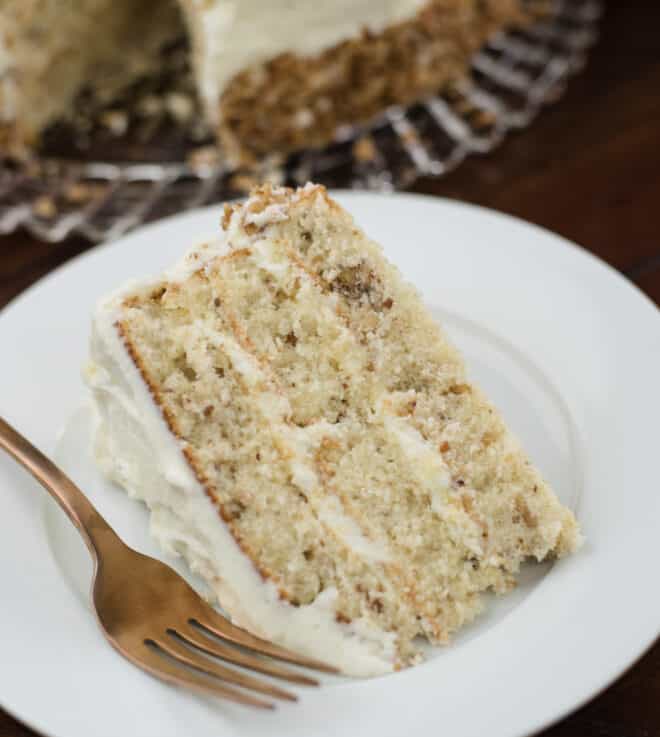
194 637
183 654
225 630
152 660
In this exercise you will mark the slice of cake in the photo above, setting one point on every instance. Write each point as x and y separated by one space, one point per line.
281 76
308 440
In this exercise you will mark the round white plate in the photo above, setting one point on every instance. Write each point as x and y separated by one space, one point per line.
566 347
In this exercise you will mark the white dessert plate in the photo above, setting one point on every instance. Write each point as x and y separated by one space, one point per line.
567 348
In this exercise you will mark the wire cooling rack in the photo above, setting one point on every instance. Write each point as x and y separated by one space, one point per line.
94 184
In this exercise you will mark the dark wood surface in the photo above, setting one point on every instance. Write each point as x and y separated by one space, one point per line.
589 169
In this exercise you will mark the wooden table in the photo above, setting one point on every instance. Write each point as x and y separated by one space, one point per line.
589 169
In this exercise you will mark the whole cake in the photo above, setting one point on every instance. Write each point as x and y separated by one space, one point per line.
272 75
308 440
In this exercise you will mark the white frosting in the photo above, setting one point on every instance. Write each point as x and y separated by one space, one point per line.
230 35
266 260
135 448
273 213
429 466
434 477
331 512
196 258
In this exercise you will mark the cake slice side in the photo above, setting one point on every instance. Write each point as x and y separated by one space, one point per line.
317 410
423 378
290 326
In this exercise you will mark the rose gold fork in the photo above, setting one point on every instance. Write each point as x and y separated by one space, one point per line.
151 615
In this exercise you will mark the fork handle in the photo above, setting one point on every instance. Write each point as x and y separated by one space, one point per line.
95 531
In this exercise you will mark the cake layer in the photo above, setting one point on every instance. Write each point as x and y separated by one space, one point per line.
321 410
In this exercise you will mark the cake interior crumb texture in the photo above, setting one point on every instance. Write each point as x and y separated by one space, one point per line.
50 52
331 470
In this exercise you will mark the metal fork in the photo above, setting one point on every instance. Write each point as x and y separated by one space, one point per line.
151 615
